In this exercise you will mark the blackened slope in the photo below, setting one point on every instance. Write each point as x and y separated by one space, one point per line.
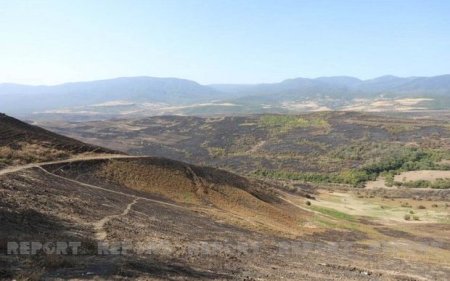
24 143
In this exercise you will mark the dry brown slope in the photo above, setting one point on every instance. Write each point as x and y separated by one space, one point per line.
22 143
220 194
37 205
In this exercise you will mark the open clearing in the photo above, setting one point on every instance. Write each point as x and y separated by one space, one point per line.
406 104
379 183
380 209
428 175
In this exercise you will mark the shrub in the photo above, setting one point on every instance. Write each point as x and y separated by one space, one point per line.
441 184
422 207
416 218
417 184
308 203
283 123
351 177
217 151
389 179
407 217
385 162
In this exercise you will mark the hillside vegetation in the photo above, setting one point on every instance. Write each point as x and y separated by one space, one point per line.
331 147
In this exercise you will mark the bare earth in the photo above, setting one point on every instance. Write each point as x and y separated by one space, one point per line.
345 235
428 175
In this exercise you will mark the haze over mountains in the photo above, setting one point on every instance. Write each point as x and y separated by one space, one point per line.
138 89
157 96
334 84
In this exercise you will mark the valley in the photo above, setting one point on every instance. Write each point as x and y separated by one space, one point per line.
245 198
189 140
326 147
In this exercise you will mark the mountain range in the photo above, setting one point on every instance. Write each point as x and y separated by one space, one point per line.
179 96
345 86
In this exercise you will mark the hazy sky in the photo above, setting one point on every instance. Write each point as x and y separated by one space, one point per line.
229 41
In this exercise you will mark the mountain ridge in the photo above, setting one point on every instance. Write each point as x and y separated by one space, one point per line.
167 93
213 85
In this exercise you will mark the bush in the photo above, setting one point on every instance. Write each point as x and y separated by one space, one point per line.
438 184
351 177
441 184
416 218
386 162
406 205
283 123
389 179
406 158
407 217
421 207
417 184
308 203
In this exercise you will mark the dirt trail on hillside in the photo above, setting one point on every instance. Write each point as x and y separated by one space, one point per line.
112 191
256 147
99 226
14 169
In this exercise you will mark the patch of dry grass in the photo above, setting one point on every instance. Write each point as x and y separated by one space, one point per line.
230 203
30 152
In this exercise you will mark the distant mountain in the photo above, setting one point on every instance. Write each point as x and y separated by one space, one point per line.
159 96
345 81
432 85
26 99
340 87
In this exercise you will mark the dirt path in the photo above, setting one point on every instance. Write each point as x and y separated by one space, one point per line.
99 226
14 169
256 147
285 199
112 191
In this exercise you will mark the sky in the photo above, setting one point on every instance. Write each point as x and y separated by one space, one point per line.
221 41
